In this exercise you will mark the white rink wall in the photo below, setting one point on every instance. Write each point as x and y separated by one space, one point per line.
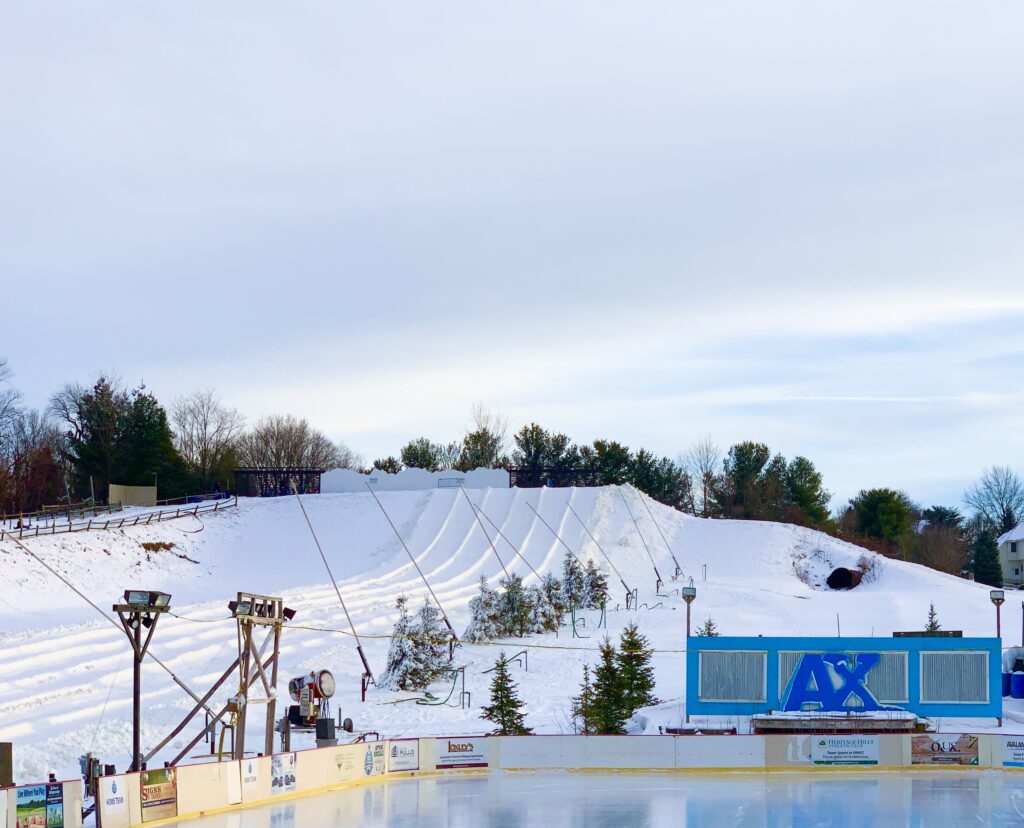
214 787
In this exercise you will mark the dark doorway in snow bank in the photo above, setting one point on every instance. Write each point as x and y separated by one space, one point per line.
843 578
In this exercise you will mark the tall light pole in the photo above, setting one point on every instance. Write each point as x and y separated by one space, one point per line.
689 593
997 598
141 609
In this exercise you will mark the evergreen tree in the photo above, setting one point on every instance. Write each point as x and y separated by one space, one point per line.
485 616
583 704
430 637
505 709
987 569
552 589
635 671
516 606
933 620
402 656
544 616
573 578
608 711
595 587
709 628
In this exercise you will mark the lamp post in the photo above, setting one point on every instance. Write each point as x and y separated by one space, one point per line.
997 598
689 593
141 609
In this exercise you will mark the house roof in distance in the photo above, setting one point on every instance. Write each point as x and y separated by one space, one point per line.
1015 534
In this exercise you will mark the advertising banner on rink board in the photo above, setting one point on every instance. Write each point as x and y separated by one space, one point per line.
464 752
250 774
282 773
1013 752
845 750
113 795
404 755
940 749
39 806
158 791
375 759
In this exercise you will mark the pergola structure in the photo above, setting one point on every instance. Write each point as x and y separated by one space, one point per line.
275 482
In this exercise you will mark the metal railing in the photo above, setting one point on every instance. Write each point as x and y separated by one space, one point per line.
93 524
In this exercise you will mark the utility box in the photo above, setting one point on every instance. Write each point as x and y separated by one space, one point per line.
6 765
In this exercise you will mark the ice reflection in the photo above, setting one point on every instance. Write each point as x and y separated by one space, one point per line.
600 800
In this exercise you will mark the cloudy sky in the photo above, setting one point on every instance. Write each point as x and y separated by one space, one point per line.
798 222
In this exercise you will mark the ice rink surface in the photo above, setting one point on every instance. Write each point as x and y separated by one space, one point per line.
630 800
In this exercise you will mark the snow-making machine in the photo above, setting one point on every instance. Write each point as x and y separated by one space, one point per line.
313 692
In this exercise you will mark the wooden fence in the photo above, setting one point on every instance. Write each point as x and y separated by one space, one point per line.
95 524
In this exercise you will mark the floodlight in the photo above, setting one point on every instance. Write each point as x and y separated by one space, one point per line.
240 608
288 613
136 597
160 599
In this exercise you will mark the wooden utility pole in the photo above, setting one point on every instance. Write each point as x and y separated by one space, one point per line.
142 609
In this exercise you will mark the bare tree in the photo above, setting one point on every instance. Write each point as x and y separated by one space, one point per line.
998 498
483 445
284 441
9 403
942 548
701 462
205 433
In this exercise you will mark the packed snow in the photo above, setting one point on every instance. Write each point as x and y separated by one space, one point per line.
65 674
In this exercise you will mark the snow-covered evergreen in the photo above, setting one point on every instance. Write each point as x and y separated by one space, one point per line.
485 622
419 651
432 637
573 578
516 606
595 587
402 652
544 616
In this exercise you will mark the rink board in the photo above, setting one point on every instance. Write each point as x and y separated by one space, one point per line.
210 788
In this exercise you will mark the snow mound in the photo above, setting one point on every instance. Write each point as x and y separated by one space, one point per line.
65 675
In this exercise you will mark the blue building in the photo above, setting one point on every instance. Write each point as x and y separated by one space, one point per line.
926 676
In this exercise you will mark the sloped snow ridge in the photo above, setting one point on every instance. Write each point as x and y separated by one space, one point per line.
65 675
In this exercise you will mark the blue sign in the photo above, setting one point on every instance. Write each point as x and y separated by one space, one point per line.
812 684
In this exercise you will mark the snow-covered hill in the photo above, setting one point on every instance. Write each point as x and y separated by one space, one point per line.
65 675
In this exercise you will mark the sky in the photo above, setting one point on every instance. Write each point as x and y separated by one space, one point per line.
794 222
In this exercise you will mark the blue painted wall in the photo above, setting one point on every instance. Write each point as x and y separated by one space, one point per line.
913 646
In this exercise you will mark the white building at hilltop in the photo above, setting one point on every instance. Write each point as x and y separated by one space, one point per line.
1011 555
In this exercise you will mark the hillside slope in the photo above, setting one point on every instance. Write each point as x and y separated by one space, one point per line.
67 689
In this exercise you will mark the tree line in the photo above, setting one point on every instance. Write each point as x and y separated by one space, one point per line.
88 437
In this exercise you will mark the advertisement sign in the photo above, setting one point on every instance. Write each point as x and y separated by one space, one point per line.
250 775
845 750
345 762
465 752
158 791
282 772
112 794
404 755
39 806
1013 752
375 759
55 806
935 749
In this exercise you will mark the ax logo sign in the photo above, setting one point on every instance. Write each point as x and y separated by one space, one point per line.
832 682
